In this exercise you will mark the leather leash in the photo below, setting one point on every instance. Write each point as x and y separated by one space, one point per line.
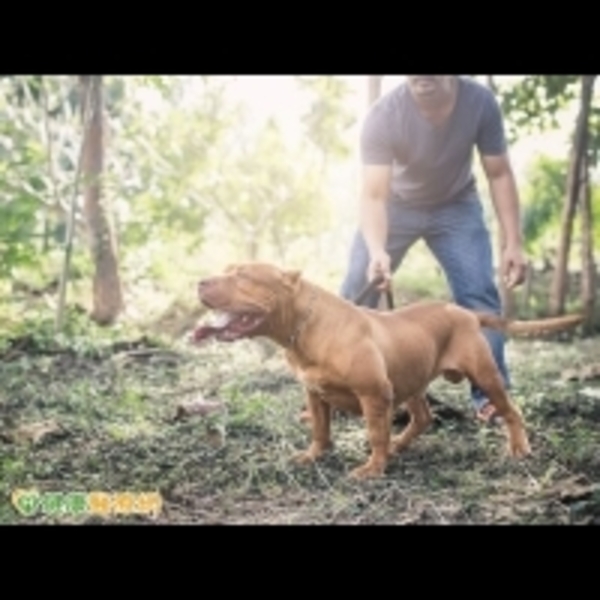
370 287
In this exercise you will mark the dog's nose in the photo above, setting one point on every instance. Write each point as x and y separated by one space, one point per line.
204 283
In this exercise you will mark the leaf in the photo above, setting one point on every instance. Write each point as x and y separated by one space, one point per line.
590 393
588 372
532 104
35 433
198 406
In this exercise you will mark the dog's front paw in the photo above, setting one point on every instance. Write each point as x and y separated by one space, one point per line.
305 417
304 458
367 471
519 447
312 454
518 442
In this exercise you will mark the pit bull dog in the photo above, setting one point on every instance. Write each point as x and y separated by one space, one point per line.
358 360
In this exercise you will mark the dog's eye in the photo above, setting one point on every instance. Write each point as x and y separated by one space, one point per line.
244 276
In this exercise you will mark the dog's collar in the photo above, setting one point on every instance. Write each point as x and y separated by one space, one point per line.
294 337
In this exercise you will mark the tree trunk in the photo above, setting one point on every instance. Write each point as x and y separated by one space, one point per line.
527 292
559 284
374 88
107 291
588 267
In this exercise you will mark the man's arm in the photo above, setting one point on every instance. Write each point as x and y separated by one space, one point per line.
493 151
503 189
373 213
505 197
377 159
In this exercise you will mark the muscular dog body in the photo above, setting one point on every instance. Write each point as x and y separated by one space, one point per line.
359 360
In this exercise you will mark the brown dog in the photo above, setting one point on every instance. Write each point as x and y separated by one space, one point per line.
360 360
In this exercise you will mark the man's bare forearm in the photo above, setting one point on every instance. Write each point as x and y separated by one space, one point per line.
505 197
374 222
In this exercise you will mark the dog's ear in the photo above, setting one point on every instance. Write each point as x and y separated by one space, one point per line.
292 277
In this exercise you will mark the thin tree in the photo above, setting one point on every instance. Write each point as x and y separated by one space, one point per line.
559 284
107 291
588 267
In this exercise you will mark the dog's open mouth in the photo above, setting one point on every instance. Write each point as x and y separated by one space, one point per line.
228 326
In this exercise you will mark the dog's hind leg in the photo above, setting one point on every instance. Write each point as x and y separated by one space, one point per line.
420 419
481 370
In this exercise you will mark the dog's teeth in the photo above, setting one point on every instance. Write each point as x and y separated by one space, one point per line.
220 319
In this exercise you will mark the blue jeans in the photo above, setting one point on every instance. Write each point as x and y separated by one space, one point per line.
457 236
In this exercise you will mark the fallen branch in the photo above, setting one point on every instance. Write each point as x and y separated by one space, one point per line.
584 374
33 432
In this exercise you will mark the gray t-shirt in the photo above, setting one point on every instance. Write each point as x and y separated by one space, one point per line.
432 164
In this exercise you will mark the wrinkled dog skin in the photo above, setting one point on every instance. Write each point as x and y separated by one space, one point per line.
359 360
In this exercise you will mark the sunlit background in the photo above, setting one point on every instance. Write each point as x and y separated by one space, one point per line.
200 171
278 97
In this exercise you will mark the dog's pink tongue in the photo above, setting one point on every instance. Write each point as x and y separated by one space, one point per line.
218 321
203 332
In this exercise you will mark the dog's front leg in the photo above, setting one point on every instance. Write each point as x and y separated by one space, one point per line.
320 417
378 412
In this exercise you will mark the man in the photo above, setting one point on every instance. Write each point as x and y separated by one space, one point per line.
416 146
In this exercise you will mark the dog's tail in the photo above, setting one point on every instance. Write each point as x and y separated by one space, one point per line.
534 328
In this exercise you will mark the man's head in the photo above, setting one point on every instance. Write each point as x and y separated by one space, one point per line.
430 88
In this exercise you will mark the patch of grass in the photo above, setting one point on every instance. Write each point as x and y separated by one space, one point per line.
116 401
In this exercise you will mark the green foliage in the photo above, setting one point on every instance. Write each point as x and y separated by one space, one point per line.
596 216
161 161
202 164
594 136
328 116
40 138
533 103
275 196
189 175
20 89
78 334
21 185
543 198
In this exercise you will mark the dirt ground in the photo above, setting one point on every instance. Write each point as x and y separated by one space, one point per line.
90 418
